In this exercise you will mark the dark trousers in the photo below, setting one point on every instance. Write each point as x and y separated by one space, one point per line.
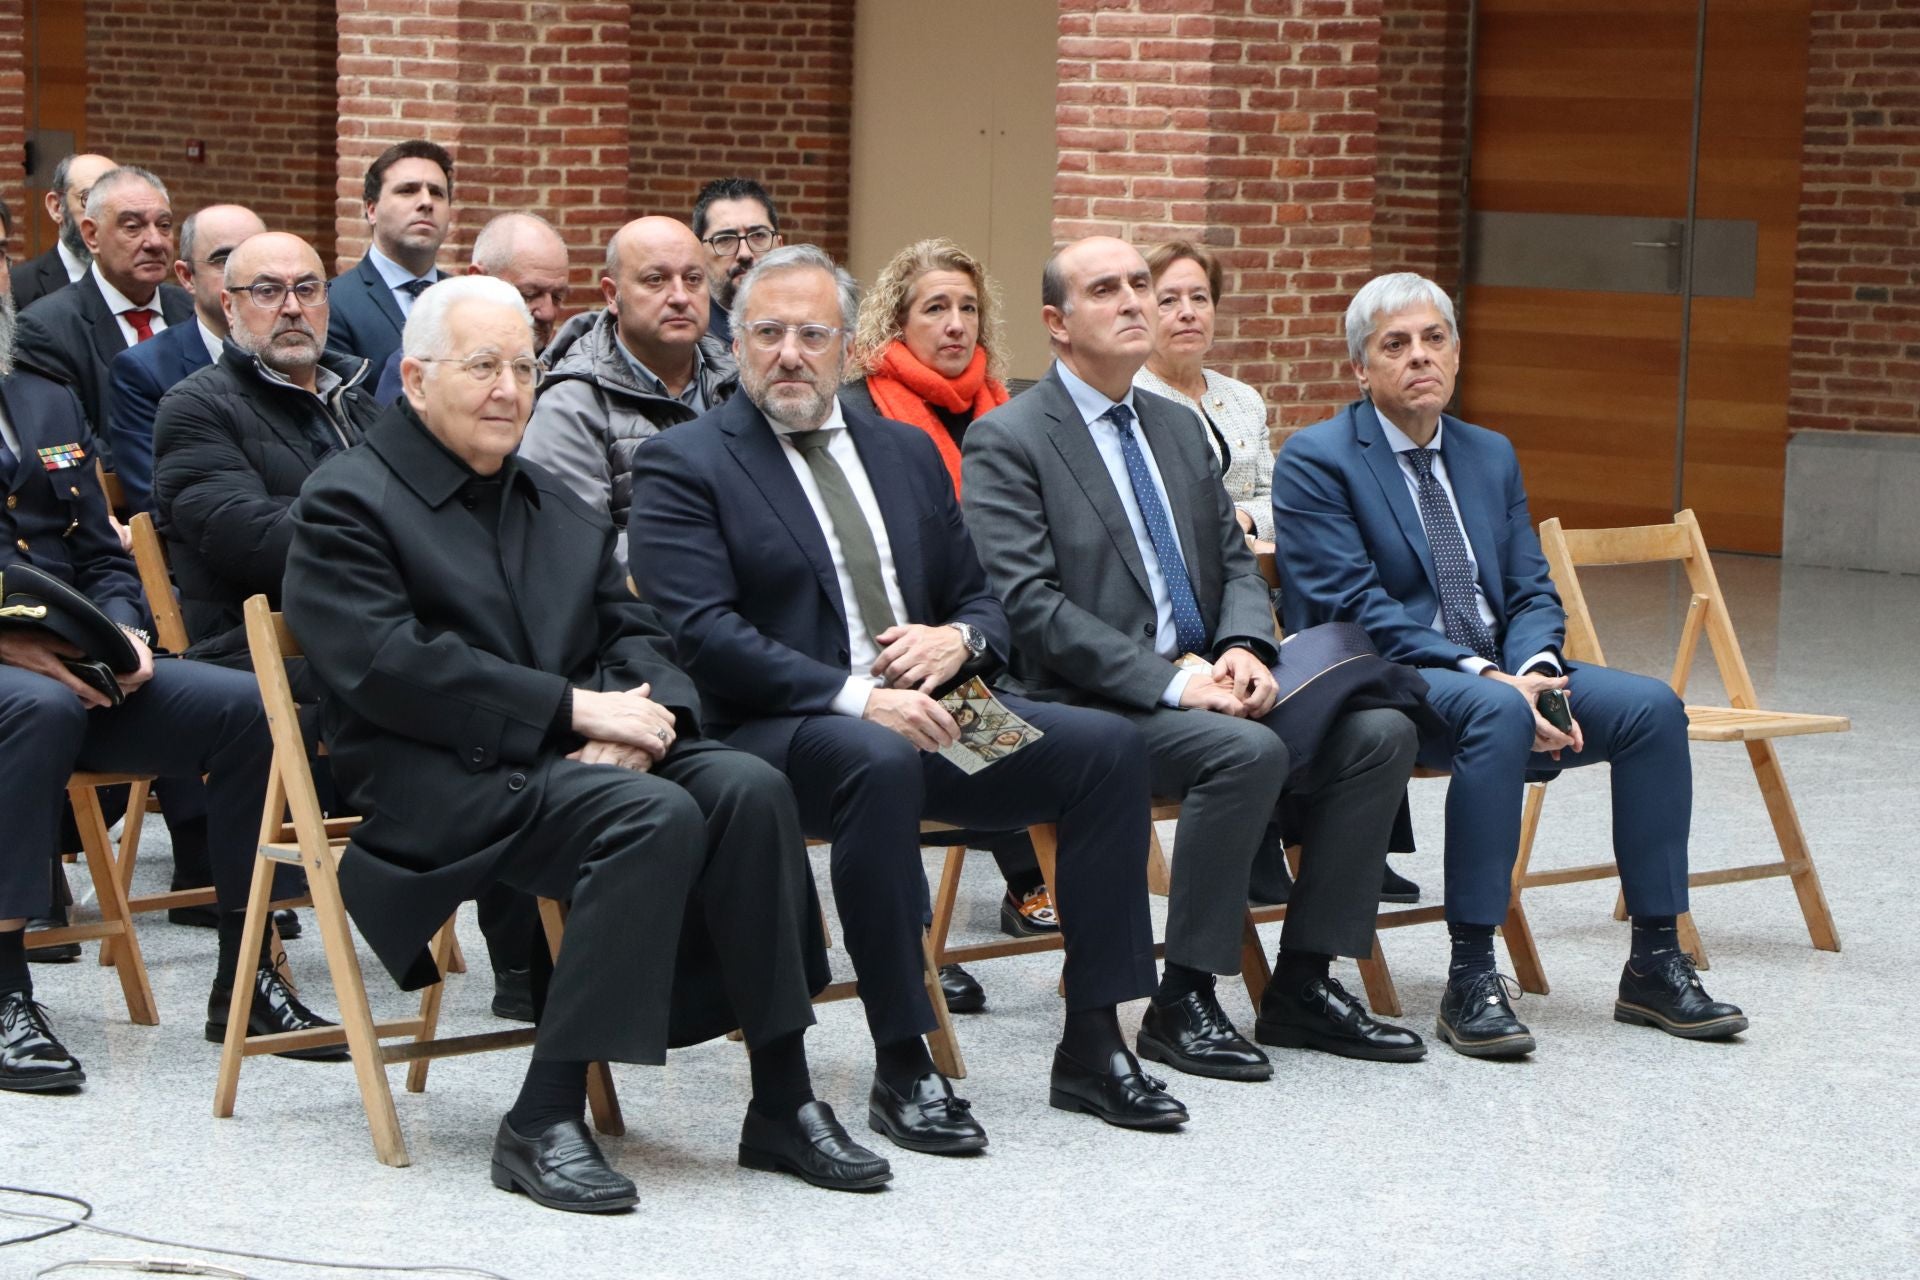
1634 722
866 789
191 718
1229 775
707 840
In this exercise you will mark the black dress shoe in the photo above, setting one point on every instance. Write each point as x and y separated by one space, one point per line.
811 1144
57 953
1395 887
275 1009
963 991
1195 1035
1324 1015
929 1118
513 994
1029 916
1121 1094
287 921
1476 1019
31 1060
560 1167
1671 998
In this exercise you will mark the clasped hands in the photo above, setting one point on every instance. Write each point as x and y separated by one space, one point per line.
1238 684
1545 737
914 661
41 654
626 728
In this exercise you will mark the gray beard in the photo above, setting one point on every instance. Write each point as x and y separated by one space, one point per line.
6 334
75 242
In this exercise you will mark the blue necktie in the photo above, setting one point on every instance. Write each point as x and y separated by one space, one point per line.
1189 631
1458 609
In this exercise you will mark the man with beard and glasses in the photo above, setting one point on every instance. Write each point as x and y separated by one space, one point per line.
177 718
736 220
122 300
69 258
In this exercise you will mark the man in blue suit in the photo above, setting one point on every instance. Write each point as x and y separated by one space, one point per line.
1414 524
812 564
409 205
141 374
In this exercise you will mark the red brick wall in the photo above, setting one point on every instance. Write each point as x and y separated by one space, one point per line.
1419 205
254 82
1250 125
13 114
1856 330
725 87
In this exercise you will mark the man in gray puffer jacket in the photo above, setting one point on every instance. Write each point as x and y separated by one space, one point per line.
629 372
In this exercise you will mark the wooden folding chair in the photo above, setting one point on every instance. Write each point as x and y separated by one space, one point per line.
1745 721
316 843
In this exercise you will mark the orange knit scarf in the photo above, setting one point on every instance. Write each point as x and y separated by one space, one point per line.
903 388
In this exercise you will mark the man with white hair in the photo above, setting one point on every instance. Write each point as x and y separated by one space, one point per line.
1399 517
503 711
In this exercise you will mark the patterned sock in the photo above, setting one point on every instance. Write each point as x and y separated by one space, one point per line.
1472 950
1654 937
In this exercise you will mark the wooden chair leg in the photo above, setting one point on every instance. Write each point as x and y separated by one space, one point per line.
457 961
233 1049
945 899
430 1003
1690 940
1254 970
130 827
942 1043
1619 905
603 1102
1521 949
1159 877
97 845
1382 996
1793 845
1046 852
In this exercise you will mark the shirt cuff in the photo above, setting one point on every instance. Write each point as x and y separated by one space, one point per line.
852 698
1176 688
1473 666
1544 658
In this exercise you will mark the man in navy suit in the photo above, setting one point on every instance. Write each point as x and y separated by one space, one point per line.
1414 524
812 564
141 374
409 205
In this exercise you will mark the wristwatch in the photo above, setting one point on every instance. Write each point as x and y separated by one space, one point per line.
972 637
138 633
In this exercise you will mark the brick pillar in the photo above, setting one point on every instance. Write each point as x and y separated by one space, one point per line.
529 96
1248 125
1419 205
13 116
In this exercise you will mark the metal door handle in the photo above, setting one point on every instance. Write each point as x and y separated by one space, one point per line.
1654 244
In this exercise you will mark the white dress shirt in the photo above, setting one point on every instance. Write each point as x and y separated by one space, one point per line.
861 650
1093 406
1402 445
396 275
120 304
75 264
215 343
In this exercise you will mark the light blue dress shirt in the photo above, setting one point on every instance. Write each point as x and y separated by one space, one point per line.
396 275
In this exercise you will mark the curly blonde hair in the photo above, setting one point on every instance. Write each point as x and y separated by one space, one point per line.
883 310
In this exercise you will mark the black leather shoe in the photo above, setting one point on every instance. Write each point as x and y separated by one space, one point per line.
513 994
1395 887
929 1118
1121 1094
1029 916
1476 1019
811 1144
57 953
31 1060
275 1009
1195 1035
963 991
562 1168
287 921
1323 1015
1671 998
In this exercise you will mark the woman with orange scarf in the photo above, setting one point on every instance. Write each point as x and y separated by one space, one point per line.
927 352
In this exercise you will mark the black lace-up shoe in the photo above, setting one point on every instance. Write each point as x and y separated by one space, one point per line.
31 1059
1323 1015
275 1009
1671 998
1476 1019
1194 1035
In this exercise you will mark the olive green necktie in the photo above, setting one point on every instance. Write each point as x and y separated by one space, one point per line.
850 527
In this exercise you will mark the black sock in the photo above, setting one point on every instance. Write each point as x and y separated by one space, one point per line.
552 1092
14 974
232 925
1298 968
1022 883
1654 937
1092 1036
1179 982
1472 950
781 1081
901 1063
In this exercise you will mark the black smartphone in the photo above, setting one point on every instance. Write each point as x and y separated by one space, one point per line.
1552 705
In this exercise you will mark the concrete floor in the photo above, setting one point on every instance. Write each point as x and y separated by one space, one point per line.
1616 1151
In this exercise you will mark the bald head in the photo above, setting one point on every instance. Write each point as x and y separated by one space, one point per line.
656 286
1096 300
207 239
289 335
524 250
66 200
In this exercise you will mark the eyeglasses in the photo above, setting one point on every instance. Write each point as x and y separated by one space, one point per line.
726 244
269 294
485 367
768 335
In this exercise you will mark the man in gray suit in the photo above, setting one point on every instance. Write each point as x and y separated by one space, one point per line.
1129 586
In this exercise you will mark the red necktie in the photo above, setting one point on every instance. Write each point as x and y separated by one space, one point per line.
142 321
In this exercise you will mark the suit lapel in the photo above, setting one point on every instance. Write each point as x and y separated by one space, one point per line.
1072 440
1393 486
103 327
751 441
880 457
382 296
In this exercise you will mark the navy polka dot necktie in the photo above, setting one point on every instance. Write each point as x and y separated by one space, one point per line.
1458 609
414 288
1189 630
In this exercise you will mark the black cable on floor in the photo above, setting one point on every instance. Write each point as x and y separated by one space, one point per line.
86 1211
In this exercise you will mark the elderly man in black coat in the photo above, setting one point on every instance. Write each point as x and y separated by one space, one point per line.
504 711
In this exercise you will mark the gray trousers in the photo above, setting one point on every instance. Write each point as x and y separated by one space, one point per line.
1228 775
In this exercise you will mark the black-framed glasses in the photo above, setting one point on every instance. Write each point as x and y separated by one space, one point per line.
269 294
484 367
726 244
767 335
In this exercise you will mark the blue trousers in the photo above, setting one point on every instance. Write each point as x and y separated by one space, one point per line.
1633 722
